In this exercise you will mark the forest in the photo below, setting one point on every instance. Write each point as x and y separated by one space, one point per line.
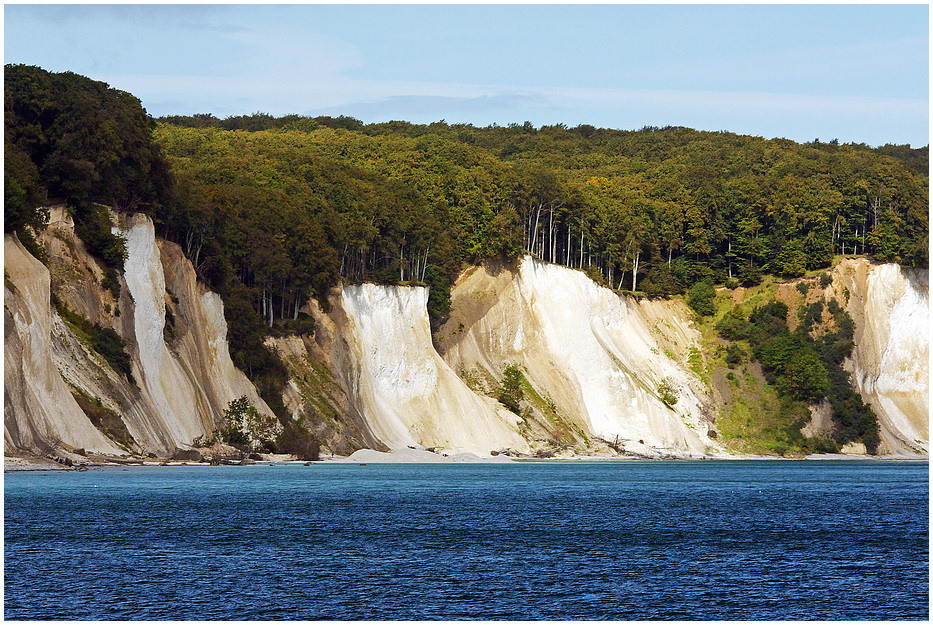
275 210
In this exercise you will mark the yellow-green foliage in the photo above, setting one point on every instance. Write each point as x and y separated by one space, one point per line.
757 421
316 384
562 430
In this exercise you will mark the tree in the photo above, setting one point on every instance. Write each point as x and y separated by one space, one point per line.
790 261
510 393
244 427
88 142
702 299
805 378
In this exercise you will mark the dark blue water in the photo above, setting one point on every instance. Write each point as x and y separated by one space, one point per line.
636 540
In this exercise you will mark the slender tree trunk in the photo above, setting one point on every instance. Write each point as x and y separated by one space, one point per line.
197 251
282 312
635 271
730 259
535 230
567 251
582 236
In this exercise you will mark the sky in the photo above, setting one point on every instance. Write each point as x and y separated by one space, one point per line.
856 73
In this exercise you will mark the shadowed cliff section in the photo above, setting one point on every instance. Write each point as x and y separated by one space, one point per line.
181 377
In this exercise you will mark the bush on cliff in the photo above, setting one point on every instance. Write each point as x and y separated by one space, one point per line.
510 392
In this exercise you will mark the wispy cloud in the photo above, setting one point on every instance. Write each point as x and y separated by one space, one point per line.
198 17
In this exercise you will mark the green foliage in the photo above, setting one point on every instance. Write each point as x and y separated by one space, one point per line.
661 281
702 299
810 316
735 355
112 347
510 392
105 341
111 282
28 239
438 296
734 326
803 288
94 227
275 210
776 351
304 324
804 377
86 141
825 280
22 195
299 442
243 427
667 393
104 419
750 275
803 369
791 261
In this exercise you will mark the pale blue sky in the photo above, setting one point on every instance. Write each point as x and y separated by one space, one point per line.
853 72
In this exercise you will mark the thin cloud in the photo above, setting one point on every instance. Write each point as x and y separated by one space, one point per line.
199 17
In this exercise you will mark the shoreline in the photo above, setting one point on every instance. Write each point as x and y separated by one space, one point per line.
13 464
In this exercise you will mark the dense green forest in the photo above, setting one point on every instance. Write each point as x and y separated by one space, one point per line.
272 211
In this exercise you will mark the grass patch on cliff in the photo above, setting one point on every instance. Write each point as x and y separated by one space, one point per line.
801 361
316 384
762 412
518 395
104 419
757 420
322 418
104 341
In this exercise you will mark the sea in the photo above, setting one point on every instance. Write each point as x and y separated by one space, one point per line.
700 540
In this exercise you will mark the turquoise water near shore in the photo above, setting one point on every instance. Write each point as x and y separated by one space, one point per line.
623 541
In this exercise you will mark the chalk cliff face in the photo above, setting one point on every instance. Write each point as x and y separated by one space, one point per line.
315 396
594 364
39 411
407 393
890 363
183 377
600 357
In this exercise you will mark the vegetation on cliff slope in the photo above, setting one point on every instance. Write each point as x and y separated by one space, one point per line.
798 367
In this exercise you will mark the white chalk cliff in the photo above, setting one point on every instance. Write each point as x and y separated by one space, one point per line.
39 413
180 387
406 392
599 356
890 362
372 375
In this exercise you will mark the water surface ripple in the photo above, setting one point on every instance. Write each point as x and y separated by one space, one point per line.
569 541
